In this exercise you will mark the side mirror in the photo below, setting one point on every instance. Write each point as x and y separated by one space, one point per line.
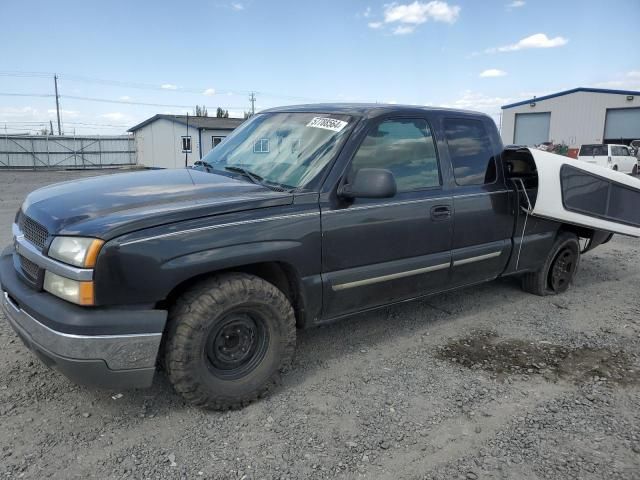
370 183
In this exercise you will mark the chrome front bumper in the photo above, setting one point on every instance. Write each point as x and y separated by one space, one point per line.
118 352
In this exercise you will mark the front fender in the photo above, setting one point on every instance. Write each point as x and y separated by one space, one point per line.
184 267
146 271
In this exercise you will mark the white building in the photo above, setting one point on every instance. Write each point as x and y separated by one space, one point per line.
573 117
167 141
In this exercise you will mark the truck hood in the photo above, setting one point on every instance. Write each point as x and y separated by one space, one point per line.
111 205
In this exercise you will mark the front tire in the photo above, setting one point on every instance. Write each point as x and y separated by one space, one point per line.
558 270
228 338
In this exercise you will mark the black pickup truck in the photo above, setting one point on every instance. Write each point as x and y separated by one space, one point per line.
302 216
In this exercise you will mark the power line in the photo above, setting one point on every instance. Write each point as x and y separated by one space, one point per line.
130 102
39 95
46 122
103 100
148 86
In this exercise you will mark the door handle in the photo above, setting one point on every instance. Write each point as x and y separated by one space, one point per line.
440 212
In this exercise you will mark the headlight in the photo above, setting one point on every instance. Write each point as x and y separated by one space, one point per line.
67 289
78 251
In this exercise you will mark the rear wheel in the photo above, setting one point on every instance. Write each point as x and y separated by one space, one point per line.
559 269
228 339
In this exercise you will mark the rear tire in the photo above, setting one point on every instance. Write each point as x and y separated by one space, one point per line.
559 268
228 338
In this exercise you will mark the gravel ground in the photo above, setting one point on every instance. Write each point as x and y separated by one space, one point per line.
487 382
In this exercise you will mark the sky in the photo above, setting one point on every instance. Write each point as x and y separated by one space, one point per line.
113 56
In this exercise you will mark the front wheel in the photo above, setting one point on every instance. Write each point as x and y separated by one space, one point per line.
559 269
228 339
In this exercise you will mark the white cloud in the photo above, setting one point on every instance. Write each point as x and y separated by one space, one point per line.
480 102
407 17
538 40
169 86
403 29
628 81
237 6
209 92
125 98
63 113
114 116
493 72
392 102
417 12
367 12
517 4
9 113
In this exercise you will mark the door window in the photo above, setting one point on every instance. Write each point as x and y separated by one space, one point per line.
470 150
406 148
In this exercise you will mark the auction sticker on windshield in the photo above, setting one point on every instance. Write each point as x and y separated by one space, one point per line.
327 123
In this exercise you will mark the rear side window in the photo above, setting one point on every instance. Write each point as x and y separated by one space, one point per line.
470 151
594 150
586 193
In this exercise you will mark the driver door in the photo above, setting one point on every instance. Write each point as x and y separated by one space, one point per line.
379 251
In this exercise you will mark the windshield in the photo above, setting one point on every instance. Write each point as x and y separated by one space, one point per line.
287 150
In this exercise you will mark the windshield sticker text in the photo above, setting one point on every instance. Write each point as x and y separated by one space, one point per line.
327 123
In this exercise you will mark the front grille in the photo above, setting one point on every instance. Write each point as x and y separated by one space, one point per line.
30 269
33 231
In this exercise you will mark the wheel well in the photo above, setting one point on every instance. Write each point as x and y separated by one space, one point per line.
594 238
582 232
281 275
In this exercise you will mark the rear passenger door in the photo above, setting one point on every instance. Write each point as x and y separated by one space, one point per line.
483 218
378 251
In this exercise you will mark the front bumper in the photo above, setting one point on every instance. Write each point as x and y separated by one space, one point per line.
112 348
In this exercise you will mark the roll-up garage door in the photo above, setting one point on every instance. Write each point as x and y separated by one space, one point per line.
532 128
622 125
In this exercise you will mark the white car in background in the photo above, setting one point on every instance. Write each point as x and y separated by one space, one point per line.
615 157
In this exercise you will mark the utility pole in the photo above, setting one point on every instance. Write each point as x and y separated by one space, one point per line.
252 99
55 82
51 125
188 142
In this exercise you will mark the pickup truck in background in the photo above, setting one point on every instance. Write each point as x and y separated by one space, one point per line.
302 216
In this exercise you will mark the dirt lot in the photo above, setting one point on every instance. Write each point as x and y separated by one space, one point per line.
488 382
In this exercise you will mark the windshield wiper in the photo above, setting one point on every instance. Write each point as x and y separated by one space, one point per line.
258 180
254 177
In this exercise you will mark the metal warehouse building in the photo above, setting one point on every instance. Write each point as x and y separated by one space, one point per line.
573 117
164 141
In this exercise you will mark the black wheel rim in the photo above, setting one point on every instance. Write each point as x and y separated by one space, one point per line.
236 345
562 269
